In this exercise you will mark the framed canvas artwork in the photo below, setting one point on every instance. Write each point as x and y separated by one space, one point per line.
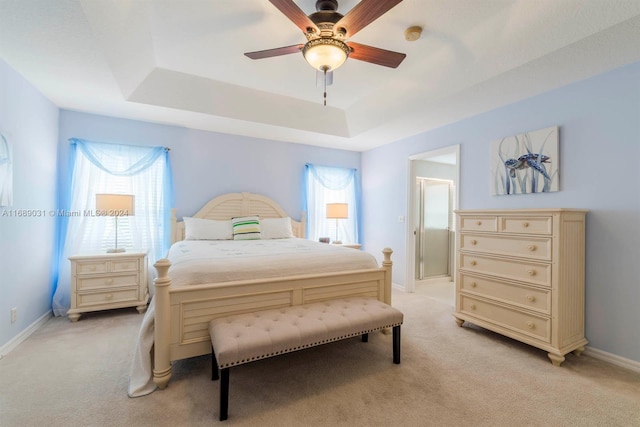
525 163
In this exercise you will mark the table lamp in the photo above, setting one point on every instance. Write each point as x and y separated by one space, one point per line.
337 211
115 205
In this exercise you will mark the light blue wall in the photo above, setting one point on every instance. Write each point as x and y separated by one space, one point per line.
599 123
30 123
207 164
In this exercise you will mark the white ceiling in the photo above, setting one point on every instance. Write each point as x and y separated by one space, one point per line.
181 62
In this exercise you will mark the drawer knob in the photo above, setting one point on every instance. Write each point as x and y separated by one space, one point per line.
109 281
472 262
530 324
532 247
473 284
92 268
108 296
479 223
525 224
472 306
473 242
531 272
531 298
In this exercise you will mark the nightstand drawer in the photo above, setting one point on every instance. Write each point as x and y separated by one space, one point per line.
125 295
527 247
523 296
92 267
124 265
527 324
107 282
536 273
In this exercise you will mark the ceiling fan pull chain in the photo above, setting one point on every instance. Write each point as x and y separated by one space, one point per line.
324 70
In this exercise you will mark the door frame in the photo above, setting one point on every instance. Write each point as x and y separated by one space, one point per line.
410 280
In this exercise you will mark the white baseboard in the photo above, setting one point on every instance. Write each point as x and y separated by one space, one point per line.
18 339
632 365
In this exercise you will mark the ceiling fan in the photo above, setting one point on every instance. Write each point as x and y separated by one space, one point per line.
327 30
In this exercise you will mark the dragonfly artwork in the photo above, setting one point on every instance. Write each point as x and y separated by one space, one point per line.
526 163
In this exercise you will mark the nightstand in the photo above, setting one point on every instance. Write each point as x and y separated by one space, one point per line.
349 245
102 281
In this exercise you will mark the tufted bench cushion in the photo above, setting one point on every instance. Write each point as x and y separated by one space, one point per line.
248 337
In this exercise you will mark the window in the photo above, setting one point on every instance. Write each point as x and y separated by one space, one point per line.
325 185
96 168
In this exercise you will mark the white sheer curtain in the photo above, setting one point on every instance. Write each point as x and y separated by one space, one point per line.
324 184
121 169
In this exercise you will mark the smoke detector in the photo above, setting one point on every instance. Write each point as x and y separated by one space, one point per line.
413 33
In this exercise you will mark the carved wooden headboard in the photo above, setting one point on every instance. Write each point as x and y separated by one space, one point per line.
232 205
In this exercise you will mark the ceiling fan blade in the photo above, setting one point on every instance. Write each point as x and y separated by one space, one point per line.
363 14
286 50
375 55
295 14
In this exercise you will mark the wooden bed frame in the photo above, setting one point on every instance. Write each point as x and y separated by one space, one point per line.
182 314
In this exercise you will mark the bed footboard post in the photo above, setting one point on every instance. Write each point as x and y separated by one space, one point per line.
387 264
162 325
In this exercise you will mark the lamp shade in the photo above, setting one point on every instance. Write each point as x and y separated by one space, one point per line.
115 204
325 54
337 210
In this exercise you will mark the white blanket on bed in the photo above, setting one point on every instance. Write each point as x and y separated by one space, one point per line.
209 261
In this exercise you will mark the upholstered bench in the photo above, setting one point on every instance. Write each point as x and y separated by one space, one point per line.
244 338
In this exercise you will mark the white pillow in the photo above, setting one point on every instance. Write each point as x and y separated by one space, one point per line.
207 229
276 228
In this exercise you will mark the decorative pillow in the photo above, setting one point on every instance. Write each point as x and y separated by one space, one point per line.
206 229
276 228
246 228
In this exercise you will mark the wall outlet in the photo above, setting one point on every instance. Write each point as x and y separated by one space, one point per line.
14 314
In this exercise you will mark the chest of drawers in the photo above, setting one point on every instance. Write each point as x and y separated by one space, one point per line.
108 280
520 273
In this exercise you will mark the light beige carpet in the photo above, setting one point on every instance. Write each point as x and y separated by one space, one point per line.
77 374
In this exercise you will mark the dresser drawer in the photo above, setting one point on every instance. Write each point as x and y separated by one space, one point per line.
527 225
479 223
92 267
522 296
111 297
538 327
107 282
536 273
528 247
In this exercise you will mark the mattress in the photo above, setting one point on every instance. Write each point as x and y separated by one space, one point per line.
211 261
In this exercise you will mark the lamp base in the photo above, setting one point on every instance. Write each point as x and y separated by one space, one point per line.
115 250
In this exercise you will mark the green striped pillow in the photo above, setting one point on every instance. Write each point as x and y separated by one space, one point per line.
246 228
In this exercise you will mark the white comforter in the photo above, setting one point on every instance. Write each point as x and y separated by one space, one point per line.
209 261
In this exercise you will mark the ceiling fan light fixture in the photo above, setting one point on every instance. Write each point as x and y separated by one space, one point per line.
325 53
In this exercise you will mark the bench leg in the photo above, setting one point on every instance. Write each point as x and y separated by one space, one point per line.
396 345
224 394
214 366
365 337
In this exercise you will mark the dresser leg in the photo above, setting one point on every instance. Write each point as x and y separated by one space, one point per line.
459 322
74 317
141 308
578 351
556 359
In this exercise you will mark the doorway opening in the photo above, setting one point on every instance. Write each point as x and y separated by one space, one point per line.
433 234
432 197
